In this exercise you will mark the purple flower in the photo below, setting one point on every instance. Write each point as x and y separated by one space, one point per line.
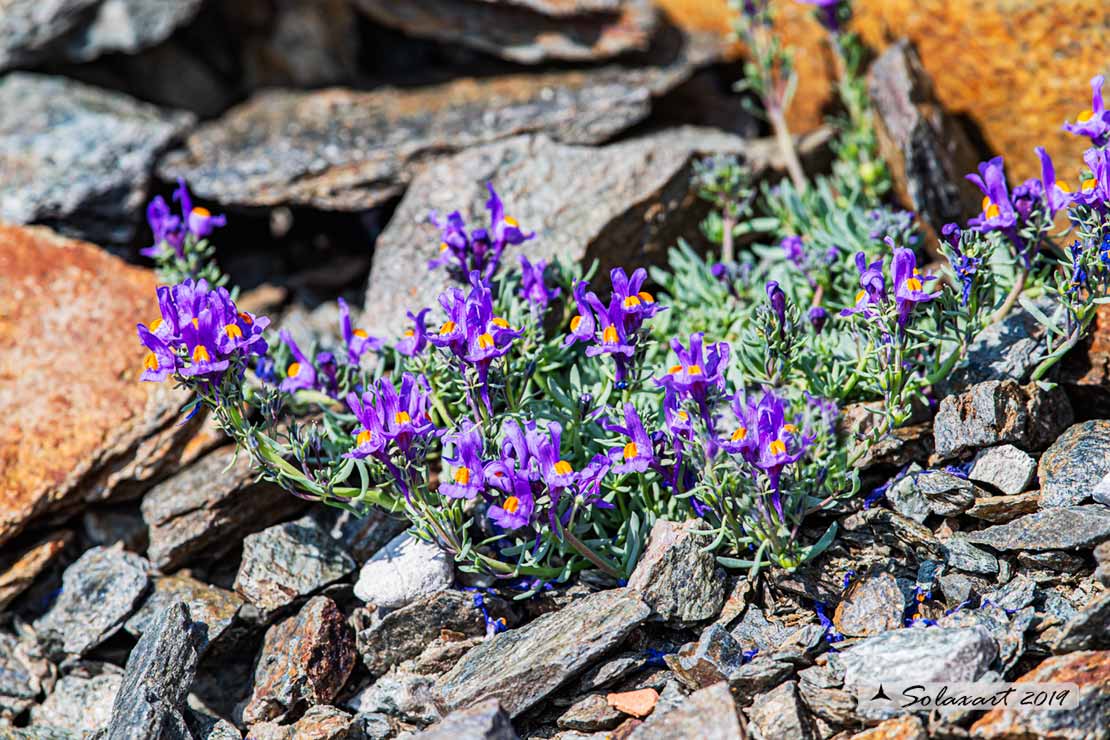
614 337
452 332
1057 194
589 482
160 361
676 418
481 249
828 13
532 285
965 267
301 373
370 440
778 304
696 373
199 221
166 228
744 440
636 456
1093 123
358 342
998 211
1095 190
636 303
516 509
780 443
469 479
405 414
202 346
872 286
817 317
556 472
414 340
583 325
909 285
794 249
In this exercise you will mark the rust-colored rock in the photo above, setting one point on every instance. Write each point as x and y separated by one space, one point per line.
639 703
76 417
19 573
908 727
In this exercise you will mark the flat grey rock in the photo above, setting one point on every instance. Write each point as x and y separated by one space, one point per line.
483 721
213 607
81 701
920 655
998 412
1062 528
675 576
707 714
1076 465
1005 468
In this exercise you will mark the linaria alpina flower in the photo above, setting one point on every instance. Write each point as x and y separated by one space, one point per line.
200 221
414 340
872 286
370 440
777 298
1078 272
468 479
780 443
1095 190
1095 122
636 304
532 285
998 212
589 483
1057 193
696 372
794 249
301 373
452 332
635 456
480 249
160 361
404 415
546 450
743 440
357 341
516 509
614 337
965 267
817 317
582 326
166 228
909 285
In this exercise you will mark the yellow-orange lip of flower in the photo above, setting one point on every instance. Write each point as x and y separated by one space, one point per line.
150 362
610 336
500 322
196 323
563 468
233 331
576 322
790 428
739 434
200 354
630 451
1085 116
777 447
693 370
646 297
443 246
913 284
293 370
512 503
674 369
462 476
202 212
154 325
683 415
402 417
512 222
1088 185
360 333
485 341
631 301
363 437
1063 185
992 211
246 318
860 296
447 328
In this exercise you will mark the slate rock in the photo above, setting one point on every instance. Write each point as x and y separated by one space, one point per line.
403 571
907 727
305 661
1057 561
18 572
361 536
962 555
591 713
288 561
106 429
526 32
318 723
623 204
522 666
873 604
781 713
206 510
959 588
209 727
1102 557
29 29
920 655
675 577
21 681
1015 594
713 658
755 632
997 412
210 606
482 721
1076 465
157 678
946 494
78 158
1062 528
81 701
402 694
1005 468
99 591
877 524
707 714
1001 509
1087 669
345 150
385 641
1089 629
108 525
1007 350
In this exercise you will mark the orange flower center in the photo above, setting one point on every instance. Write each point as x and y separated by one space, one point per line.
443 246
631 451
485 341
694 370
740 434
154 325
1085 116
462 476
511 505
363 437
860 296
913 284
200 354
402 417
1087 185
233 331
1063 186
990 209
246 318
576 322
202 212
293 370
790 428
646 297
674 369
500 322
150 362
512 222
778 447
563 468
360 333
196 323
410 333
610 336
447 328
631 301
683 415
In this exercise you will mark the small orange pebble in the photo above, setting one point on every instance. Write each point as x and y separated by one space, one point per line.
638 703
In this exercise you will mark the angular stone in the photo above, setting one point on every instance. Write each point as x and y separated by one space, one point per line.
918 655
1102 557
318 723
1005 468
21 680
81 701
1057 561
206 510
288 561
1016 594
755 631
1051 529
345 150
928 151
962 555
209 606
1090 671
407 696
527 32
623 204
1089 629
78 158
108 525
639 703
522 666
17 573
403 571
946 494
1076 465
877 524
159 672
707 714
780 713
305 660
872 605
591 713
995 412
908 727
85 408
713 658
1002 509
99 591
383 642
675 577
482 721
361 536
1008 350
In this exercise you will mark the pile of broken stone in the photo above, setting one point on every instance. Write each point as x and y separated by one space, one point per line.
150 587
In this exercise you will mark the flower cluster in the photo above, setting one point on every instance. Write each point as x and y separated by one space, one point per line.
463 251
171 230
328 372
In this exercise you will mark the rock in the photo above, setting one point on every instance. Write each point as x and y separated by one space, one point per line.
298 43
344 150
525 32
318 723
1007 350
159 672
907 727
872 605
482 721
209 606
89 416
707 714
996 412
920 655
81 701
1076 465
21 677
1057 561
755 632
108 525
78 158
591 713
946 494
1063 528
1102 557
958 588
288 561
1001 509
305 661
623 204
639 703
713 658
206 510
19 572
99 591
361 536
1005 468
407 696
383 642
928 151
403 571
209 727
1091 719
780 713
962 555
1089 629
522 666
876 524
675 576
1013 595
